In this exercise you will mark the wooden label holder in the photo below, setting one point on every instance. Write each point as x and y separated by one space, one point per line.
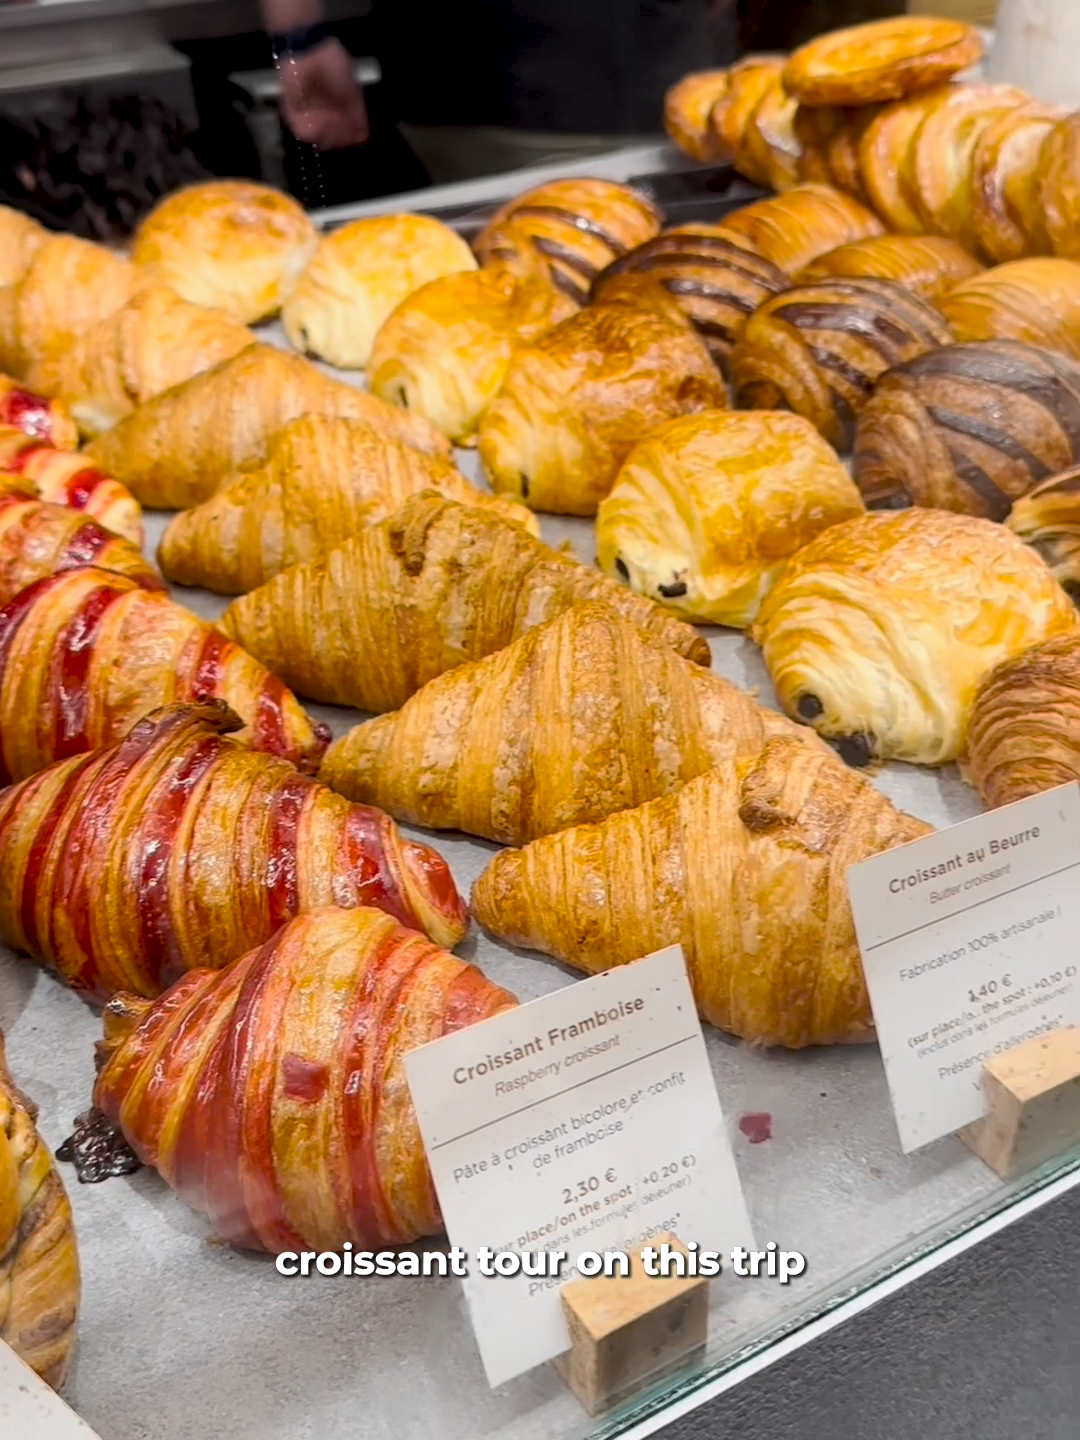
1032 1104
629 1331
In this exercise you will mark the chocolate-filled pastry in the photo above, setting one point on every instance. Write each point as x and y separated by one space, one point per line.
1006 183
1037 301
575 226
717 281
879 632
928 265
1060 190
688 105
817 349
575 403
794 228
968 428
1025 724
708 508
882 60
885 149
1048 519
748 80
769 150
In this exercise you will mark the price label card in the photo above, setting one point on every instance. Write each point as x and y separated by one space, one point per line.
587 1120
969 944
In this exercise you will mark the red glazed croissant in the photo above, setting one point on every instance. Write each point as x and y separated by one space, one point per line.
38 539
64 477
271 1095
85 653
34 415
180 848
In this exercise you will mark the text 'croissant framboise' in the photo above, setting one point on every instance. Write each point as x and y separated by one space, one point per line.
180 848
272 1096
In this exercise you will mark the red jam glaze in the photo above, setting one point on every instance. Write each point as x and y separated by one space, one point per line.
304 1080
206 673
437 879
369 878
282 884
11 618
757 1127
39 849
70 665
84 547
79 488
472 997
30 413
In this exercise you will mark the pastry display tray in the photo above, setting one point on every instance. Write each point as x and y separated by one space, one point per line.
184 1338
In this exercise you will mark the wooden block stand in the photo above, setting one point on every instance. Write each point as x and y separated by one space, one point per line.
629 1331
1032 1104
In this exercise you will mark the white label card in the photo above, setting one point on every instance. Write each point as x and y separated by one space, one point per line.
587 1120
969 944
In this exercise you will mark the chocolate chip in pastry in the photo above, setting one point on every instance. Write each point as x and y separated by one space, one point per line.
879 632
717 282
968 428
1060 189
688 106
1006 183
794 228
928 265
882 60
818 348
1036 301
707 509
1048 519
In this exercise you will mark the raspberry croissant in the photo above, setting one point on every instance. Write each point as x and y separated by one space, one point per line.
180 848
36 416
272 1096
38 539
175 450
744 866
410 598
85 653
63 477
39 1262
579 718
325 479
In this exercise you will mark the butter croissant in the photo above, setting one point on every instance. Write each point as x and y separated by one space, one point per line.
1025 723
38 539
325 479
180 849
39 1260
405 600
153 342
175 450
968 428
575 403
880 630
818 348
795 228
581 717
36 416
86 652
272 1096
745 867
20 240
63 477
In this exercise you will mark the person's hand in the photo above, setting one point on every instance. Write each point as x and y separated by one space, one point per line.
321 102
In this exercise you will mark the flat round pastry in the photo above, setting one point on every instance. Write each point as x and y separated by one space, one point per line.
928 265
879 632
968 428
1048 519
444 352
1060 189
938 164
1036 301
717 282
20 240
768 151
1006 183
884 157
795 228
688 106
815 127
748 81
1024 735
817 349
576 227
707 509
882 60
359 274
576 402
232 245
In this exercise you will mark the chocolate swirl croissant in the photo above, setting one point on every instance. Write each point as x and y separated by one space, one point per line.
180 848
1035 301
1048 519
928 265
744 867
818 348
968 428
1025 723
39 1261
63 477
271 1095
85 653
717 282
403 601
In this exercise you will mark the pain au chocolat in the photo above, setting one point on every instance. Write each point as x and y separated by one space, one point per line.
968 428
818 348
1048 519
717 282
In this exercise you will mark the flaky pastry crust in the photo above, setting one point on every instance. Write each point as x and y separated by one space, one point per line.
928 265
1036 301
881 60
793 229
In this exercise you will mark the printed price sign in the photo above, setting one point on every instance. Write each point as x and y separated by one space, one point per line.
968 941
587 1120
